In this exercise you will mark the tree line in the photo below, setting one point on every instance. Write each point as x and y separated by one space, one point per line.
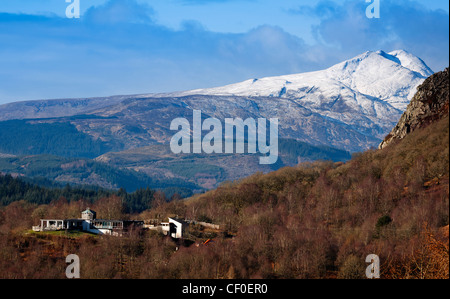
16 189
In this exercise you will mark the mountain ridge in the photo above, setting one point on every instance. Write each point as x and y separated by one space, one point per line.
402 58
344 72
351 105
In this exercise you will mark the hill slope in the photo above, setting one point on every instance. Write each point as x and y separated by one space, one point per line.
429 104
392 202
315 220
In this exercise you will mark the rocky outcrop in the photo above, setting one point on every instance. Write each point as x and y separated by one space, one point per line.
428 105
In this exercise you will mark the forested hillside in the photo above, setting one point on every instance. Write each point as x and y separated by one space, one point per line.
22 137
15 190
316 220
85 172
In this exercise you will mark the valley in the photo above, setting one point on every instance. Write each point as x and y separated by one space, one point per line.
323 115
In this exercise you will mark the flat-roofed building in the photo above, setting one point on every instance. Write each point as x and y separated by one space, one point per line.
89 223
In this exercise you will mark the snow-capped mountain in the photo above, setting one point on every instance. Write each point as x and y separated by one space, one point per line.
368 92
352 105
389 77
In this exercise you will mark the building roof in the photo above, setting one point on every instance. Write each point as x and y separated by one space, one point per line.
88 211
178 220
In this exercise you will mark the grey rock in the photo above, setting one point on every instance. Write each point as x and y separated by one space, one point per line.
428 105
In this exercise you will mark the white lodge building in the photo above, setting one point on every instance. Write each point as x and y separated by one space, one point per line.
88 223
174 228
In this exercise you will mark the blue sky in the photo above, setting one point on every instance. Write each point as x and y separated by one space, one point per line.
146 46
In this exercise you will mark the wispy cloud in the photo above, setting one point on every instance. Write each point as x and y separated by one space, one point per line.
120 11
404 24
116 48
119 48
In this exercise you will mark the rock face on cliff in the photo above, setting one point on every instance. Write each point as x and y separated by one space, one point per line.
429 104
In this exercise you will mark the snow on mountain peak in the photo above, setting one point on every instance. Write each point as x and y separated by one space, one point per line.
401 58
368 92
389 77
412 62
